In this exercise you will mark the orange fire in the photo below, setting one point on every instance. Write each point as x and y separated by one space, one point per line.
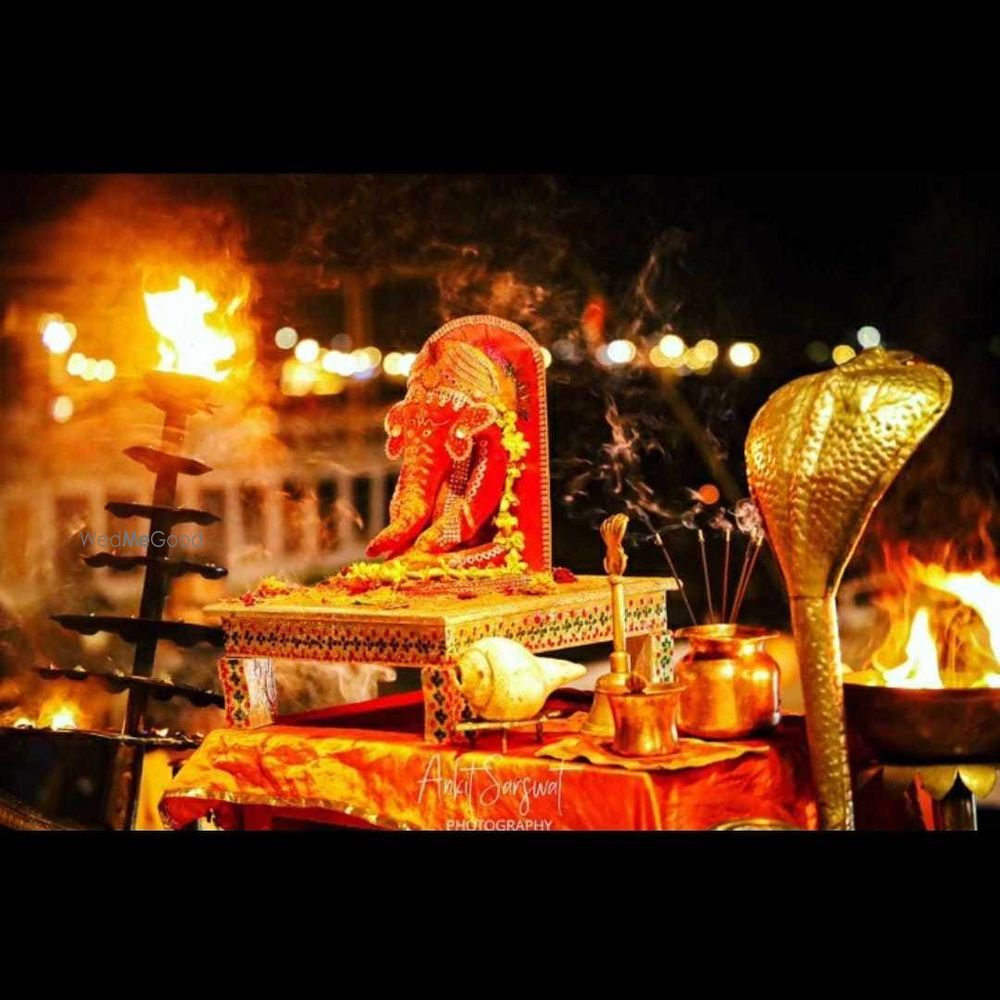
190 342
944 627
59 715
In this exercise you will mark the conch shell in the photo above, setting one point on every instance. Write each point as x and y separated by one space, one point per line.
820 454
504 682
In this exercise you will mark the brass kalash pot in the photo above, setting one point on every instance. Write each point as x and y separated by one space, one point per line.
731 683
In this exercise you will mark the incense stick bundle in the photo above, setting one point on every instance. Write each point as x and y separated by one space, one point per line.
676 576
704 568
753 551
725 576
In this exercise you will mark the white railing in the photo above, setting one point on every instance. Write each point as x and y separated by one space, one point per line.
262 531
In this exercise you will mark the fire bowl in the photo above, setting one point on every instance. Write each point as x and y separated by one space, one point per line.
926 725
176 391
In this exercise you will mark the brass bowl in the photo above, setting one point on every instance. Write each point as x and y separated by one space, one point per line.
926 724
733 685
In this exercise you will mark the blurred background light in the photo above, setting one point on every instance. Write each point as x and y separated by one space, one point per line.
566 350
842 353
366 362
398 365
620 352
709 493
62 409
286 338
340 363
671 346
868 336
743 354
307 351
707 349
817 351
57 335
297 379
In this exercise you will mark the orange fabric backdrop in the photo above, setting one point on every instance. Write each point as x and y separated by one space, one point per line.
395 779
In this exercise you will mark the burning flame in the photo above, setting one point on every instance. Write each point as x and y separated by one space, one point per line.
944 628
920 668
61 715
973 589
188 344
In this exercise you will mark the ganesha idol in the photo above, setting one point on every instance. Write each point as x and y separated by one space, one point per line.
472 500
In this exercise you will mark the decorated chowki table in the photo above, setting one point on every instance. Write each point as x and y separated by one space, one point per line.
467 547
431 634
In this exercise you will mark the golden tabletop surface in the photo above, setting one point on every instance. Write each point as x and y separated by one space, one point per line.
406 607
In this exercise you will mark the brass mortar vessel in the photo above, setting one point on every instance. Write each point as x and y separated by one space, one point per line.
732 685
645 720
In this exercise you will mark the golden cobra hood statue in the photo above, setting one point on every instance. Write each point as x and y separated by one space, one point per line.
821 453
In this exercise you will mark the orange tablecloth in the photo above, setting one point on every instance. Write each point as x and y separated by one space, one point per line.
316 773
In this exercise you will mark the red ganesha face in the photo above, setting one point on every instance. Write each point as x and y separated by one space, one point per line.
451 479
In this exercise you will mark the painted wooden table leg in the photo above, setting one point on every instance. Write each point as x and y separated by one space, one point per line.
444 704
250 690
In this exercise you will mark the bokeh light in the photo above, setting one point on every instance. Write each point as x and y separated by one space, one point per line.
57 335
546 356
696 362
340 363
868 336
105 370
307 351
286 338
743 354
707 349
842 353
671 346
366 362
620 352
566 350
398 365
297 379
709 493
327 384
817 352
62 409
